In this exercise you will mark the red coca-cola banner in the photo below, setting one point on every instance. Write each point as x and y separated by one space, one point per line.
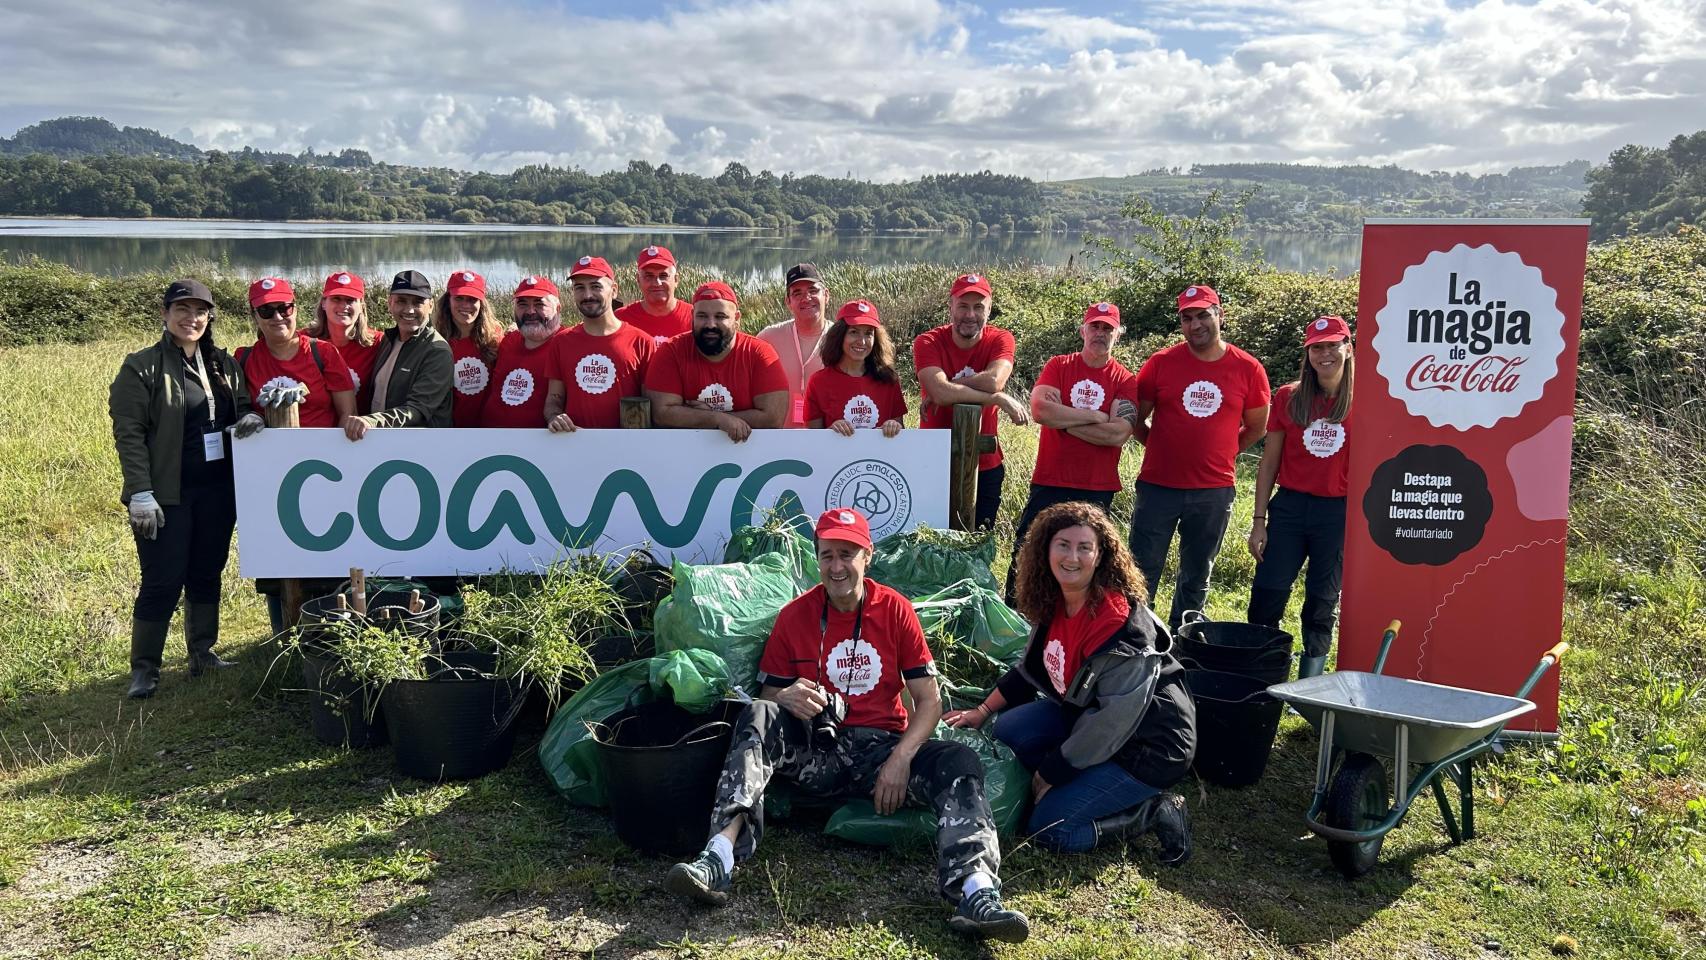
1460 452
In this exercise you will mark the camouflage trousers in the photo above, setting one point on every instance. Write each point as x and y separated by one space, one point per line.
946 777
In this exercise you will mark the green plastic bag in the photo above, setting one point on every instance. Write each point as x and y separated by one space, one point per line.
750 543
727 609
924 561
975 616
694 679
1006 784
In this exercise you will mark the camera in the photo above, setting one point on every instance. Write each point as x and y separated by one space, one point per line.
826 726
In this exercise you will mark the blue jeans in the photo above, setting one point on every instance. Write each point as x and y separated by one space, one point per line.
1199 517
1065 819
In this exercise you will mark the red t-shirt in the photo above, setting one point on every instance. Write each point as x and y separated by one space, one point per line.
1063 460
749 369
1071 639
864 402
1199 408
1315 458
658 327
871 673
936 348
260 368
520 380
470 375
597 372
358 358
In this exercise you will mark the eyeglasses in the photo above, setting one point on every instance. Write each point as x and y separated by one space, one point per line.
267 311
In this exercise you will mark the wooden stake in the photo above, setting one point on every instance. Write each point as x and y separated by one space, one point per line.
358 590
636 413
415 601
962 466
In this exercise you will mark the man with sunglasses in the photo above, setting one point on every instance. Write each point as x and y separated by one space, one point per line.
412 368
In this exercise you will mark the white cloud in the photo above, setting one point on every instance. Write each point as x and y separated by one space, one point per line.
1059 29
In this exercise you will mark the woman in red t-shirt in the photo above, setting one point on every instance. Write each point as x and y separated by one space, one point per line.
1306 452
1115 726
857 389
287 357
340 318
464 316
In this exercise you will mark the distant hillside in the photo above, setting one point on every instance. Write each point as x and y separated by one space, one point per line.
77 137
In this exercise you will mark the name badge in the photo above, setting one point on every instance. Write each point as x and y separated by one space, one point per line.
213 446
799 408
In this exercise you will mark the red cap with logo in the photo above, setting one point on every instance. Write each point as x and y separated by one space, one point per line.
591 267
466 283
1198 296
970 283
1324 329
859 313
533 286
1103 312
344 284
715 290
844 523
655 256
270 290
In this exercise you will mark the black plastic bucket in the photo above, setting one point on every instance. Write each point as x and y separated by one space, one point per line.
661 766
339 707
1258 652
1236 724
458 725
385 607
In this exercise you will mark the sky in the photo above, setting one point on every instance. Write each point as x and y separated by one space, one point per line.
882 89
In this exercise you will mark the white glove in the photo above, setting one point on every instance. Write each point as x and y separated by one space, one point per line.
146 516
248 426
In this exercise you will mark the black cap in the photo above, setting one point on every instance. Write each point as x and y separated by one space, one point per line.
412 282
188 289
801 271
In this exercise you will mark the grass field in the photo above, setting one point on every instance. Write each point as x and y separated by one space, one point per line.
208 823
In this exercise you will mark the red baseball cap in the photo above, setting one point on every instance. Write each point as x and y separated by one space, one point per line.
1323 329
533 286
344 284
1198 296
654 255
270 290
715 290
1103 312
466 283
844 523
859 313
970 283
591 267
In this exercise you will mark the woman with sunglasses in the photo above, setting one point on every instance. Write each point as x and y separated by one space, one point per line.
288 357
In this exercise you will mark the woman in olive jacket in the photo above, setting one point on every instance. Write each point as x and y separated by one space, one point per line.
1114 726
174 406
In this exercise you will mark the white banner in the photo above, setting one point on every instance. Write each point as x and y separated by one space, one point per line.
440 502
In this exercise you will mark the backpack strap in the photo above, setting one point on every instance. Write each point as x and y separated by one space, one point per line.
314 348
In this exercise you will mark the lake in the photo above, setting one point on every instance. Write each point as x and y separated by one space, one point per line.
504 252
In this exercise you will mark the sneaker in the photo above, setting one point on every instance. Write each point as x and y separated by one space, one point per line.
982 915
1171 825
702 879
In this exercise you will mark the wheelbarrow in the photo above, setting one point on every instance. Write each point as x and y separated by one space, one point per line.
1366 718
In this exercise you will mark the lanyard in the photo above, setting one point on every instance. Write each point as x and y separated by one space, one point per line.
801 357
823 634
206 386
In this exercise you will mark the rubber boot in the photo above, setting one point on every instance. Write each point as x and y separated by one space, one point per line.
1315 646
1163 815
1311 667
147 645
201 632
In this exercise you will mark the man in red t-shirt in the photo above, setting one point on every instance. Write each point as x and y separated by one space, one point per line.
829 718
657 313
600 360
717 378
1086 403
1198 403
968 361
526 364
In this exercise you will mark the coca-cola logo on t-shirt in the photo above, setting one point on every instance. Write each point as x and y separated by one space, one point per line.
470 376
716 397
355 380
1087 394
1469 336
965 372
595 373
853 667
861 412
1202 398
1054 661
1323 438
518 386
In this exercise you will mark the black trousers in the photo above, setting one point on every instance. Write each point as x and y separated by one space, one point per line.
1042 497
1302 528
188 554
989 495
1200 518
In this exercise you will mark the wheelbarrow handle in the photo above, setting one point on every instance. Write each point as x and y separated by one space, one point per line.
1386 639
1547 659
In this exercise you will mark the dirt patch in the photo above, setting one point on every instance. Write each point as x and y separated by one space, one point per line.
267 935
64 871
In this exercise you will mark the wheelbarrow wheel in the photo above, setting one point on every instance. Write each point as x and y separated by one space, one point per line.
1357 800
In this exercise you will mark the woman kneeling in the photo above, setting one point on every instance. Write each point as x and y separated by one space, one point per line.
1115 725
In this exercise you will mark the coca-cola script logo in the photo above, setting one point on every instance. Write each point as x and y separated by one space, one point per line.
470 376
861 412
595 373
1470 336
854 667
517 387
1323 438
1087 394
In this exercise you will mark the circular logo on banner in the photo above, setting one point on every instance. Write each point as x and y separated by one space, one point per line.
470 376
854 668
861 412
875 489
518 386
1323 438
1469 337
595 373
716 397
1202 398
1087 394
1054 660
1427 505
